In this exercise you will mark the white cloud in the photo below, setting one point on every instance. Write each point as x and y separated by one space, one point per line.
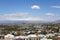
55 6
50 14
34 18
36 7
15 14
27 17
19 16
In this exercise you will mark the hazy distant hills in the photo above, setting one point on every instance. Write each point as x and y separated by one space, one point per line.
58 21
22 21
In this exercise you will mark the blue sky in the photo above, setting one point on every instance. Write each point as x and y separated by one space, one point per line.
41 10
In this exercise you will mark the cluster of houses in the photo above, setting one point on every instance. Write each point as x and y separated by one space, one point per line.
33 32
36 36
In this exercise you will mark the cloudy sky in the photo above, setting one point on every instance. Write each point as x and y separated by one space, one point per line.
31 10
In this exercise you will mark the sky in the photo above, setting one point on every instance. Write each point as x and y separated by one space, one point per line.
30 10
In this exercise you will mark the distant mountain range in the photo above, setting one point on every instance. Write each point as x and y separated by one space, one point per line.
22 21
58 21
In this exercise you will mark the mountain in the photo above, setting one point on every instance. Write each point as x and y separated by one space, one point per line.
58 21
22 21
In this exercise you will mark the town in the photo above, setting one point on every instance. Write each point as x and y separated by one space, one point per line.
24 31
